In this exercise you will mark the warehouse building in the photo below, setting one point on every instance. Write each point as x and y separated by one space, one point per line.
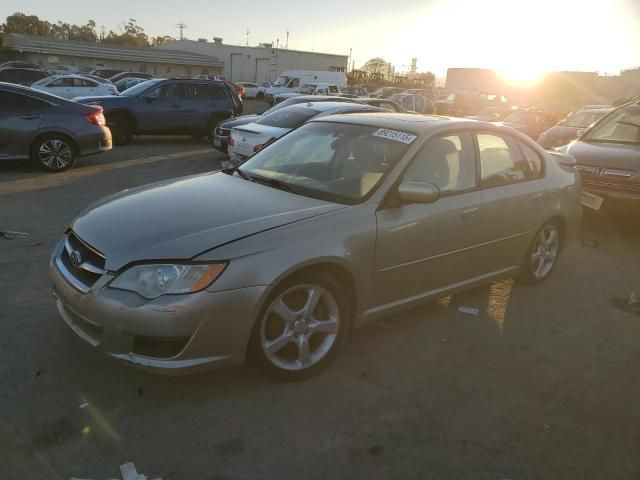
261 63
51 53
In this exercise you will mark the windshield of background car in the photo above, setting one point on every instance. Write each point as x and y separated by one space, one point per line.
622 126
582 119
291 117
520 117
336 162
282 81
138 89
307 89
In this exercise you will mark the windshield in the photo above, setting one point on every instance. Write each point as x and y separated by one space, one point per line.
521 117
622 126
307 89
282 81
334 162
140 88
582 119
291 117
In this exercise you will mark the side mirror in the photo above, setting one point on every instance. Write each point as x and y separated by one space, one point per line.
418 192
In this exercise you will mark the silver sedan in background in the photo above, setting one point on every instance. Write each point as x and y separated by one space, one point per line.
347 219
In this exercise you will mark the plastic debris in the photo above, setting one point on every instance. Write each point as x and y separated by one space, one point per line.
9 235
469 310
588 242
128 472
84 405
35 244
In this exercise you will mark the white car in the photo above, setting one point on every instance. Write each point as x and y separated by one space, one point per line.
252 90
71 86
307 89
247 140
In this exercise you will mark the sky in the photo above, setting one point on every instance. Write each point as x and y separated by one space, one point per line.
522 38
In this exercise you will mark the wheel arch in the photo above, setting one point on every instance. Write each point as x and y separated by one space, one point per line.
127 114
62 133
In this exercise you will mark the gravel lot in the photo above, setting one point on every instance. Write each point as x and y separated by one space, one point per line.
542 384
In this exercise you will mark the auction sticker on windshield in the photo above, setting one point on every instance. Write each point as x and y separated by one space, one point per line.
394 135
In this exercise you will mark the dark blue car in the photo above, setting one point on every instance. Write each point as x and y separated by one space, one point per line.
191 107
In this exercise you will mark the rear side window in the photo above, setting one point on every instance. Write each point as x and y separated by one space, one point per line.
10 101
210 92
62 82
290 117
333 89
501 162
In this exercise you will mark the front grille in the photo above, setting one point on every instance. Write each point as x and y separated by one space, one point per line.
622 187
159 347
609 178
84 263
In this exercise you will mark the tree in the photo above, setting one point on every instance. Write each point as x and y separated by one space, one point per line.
376 66
428 79
162 40
31 25
132 35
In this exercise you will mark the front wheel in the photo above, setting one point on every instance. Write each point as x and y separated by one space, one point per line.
543 255
304 323
53 153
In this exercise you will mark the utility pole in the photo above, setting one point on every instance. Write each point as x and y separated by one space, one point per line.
349 61
182 27
287 44
247 37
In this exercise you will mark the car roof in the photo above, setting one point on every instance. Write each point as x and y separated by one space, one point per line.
407 121
325 106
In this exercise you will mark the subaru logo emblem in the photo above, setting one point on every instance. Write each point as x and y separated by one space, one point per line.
76 258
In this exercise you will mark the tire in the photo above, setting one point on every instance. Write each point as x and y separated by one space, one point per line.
54 152
260 96
542 255
121 129
292 340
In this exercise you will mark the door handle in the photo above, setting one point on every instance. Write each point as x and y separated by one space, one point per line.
29 117
469 212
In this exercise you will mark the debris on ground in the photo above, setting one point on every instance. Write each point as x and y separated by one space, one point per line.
10 235
469 310
84 405
588 242
35 244
128 472
629 305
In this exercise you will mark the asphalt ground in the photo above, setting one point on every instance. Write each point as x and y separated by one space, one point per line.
541 384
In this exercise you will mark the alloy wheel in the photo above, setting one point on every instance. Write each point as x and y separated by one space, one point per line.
55 154
300 327
545 251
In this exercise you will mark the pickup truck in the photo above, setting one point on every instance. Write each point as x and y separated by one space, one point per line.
192 107
307 89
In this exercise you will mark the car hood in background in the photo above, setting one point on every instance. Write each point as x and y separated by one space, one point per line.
183 218
624 157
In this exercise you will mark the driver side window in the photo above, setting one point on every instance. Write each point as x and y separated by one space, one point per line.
294 83
447 162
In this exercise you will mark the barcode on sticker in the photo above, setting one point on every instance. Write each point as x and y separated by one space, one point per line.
394 135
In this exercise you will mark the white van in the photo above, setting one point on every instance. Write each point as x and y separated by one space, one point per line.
292 80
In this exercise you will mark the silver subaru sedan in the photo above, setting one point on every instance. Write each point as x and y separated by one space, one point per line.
347 219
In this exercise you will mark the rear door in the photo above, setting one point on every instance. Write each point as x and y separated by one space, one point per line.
20 116
513 190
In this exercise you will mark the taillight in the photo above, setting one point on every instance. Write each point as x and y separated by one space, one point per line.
262 146
230 141
97 118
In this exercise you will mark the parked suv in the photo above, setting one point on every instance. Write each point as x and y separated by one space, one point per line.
158 106
51 131
21 76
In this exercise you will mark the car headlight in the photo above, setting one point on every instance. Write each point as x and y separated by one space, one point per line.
152 281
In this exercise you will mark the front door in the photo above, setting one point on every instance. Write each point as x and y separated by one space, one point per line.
164 109
424 248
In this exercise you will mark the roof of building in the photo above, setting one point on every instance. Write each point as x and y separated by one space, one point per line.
54 46
190 43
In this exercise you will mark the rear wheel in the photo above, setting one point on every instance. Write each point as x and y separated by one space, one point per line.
54 153
543 254
304 323
121 129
